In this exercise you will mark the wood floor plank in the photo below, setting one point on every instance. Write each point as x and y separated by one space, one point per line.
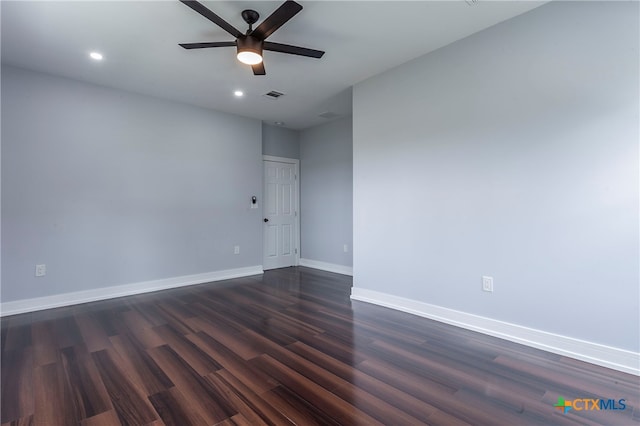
176 315
134 320
402 400
174 409
93 335
187 350
23 421
257 380
253 401
287 322
381 410
237 420
226 306
266 299
236 342
145 337
432 393
314 394
204 398
67 333
17 383
207 311
338 348
147 309
108 418
18 336
53 402
311 371
45 347
296 408
286 347
111 320
321 320
86 389
440 418
137 362
240 405
485 377
569 377
128 399
345 389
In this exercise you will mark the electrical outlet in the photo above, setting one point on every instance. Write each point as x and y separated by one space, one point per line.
236 250
345 248
487 284
41 270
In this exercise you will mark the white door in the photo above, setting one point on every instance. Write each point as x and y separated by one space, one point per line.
280 214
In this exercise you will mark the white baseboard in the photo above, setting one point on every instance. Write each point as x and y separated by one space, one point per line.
606 356
329 267
77 297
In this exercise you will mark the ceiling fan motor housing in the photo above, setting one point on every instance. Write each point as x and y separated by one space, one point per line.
249 44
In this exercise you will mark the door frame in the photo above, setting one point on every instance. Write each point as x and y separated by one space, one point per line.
296 164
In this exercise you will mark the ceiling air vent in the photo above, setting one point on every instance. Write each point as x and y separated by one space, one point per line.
273 95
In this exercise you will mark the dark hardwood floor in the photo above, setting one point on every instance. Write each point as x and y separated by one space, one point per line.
288 347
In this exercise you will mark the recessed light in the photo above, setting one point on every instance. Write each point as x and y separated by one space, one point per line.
238 93
95 55
279 123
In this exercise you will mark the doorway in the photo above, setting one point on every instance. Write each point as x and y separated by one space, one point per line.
281 227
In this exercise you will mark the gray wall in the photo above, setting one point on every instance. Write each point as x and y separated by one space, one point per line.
514 154
107 187
280 142
326 192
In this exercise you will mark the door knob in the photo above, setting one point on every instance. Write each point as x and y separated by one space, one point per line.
266 220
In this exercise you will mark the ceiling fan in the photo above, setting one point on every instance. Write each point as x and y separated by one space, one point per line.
250 45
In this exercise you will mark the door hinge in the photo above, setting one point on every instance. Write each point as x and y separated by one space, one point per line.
296 251
295 213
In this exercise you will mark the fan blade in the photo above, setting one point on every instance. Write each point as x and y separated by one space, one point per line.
277 19
198 7
205 45
258 69
294 50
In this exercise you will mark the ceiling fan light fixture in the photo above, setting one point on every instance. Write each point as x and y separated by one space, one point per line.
249 58
249 50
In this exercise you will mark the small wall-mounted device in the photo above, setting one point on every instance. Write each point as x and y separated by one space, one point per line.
254 202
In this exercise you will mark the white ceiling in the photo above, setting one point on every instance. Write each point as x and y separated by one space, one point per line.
139 41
